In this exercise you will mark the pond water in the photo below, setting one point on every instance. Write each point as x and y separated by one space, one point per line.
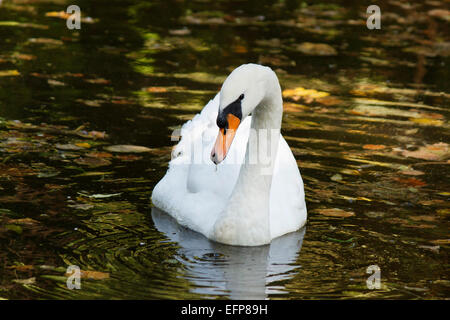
365 114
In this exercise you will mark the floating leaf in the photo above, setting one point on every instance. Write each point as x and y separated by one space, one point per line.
444 212
412 172
9 73
98 81
180 32
336 177
316 49
22 56
55 83
48 41
92 162
25 281
155 89
411 182
374 146
423 218
128 157
437 151
375 214
67 146
440 13
64 15
22 268
335 212
441 241
294 107
427 121
83 145
100 196
99 155
91 103
309 95
93 275
127 149
81 206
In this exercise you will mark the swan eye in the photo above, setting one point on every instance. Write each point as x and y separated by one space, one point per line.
241 97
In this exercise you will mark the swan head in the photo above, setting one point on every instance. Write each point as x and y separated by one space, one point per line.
242 91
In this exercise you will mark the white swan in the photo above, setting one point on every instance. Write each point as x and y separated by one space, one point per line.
256 192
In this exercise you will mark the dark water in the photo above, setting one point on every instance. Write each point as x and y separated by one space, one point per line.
368 124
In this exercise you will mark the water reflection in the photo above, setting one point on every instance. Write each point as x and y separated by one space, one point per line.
236 272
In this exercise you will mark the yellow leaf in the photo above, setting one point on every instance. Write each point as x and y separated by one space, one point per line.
302 93
9 73
432 122
83 145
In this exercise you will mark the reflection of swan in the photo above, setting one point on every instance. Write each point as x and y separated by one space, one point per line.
234 271
237 202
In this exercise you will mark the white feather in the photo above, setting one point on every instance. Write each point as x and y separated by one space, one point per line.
196 192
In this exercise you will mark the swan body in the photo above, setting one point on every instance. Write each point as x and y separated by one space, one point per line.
236 194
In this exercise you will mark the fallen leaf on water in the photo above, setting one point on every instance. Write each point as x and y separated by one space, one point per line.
335 212
100 196
93 275
441 241
55 83
24 221
91 103
67 146
83 145
97 134
437 151
309 95
9 73
412 172
99 155
180 32
64 15
431 202
444 212
440 13
81 206
25 281
127 149
336 177
58 14
22 25
155 89
375 214
316 49
15 228
329 101
128 157
293 107
422 218
98 81
92 162
49 41
22 56
411 182
22 268
431 248
238 48
374 146
427 121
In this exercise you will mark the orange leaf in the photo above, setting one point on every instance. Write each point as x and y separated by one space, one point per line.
374 146
411 182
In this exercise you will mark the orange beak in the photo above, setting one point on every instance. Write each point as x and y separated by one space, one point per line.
224 139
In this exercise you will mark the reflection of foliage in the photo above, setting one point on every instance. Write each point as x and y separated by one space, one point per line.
365 114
